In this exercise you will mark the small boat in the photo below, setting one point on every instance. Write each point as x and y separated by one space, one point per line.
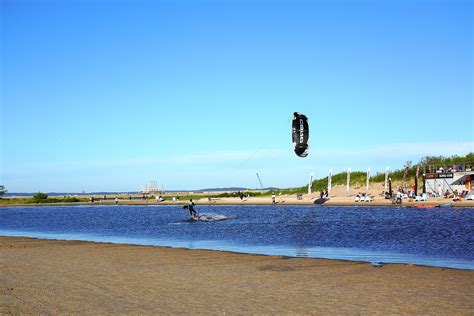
424 206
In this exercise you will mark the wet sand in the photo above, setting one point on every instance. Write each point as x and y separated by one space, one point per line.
71 277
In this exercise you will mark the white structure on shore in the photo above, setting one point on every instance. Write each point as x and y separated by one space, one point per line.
150 188
439 182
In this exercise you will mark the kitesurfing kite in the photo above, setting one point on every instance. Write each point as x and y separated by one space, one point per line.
300 134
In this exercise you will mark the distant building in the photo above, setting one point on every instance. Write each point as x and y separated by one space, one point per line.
150 188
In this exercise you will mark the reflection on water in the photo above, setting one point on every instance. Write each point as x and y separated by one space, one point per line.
440 237
301 252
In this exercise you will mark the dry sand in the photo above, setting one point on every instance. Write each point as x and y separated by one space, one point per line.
72 277
338 196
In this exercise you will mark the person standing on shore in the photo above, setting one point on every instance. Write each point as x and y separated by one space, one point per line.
273 198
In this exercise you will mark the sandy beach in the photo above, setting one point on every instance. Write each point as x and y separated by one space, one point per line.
337 196
73 277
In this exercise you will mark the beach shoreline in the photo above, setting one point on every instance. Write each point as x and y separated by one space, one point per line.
76 277
284 200
337 197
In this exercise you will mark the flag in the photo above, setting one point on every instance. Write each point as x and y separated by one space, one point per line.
348 179
368 177
405 173
329 181
416 179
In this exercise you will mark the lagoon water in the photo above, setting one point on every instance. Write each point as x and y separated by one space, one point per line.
442 237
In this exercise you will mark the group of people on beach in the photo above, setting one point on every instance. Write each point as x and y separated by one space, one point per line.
324 194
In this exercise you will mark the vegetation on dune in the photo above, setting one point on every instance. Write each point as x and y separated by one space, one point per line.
237 194
448 161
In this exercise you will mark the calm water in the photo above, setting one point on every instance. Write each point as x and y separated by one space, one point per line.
435 237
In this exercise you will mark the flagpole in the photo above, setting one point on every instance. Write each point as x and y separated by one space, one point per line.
368 177
310 182
329 181
348 180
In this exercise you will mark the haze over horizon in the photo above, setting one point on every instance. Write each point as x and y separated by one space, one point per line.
104 96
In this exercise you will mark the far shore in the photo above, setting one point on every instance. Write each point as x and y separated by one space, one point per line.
283 200
337 197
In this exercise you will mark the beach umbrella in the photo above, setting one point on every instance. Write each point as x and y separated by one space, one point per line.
386 178
300 134
310 182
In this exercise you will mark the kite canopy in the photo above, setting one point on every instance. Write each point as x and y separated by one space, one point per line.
300 133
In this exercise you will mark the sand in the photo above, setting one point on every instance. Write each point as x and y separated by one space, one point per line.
71 277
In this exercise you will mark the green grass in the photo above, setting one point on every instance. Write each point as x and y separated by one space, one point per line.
10 201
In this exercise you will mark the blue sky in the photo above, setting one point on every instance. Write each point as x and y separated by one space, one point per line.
102 95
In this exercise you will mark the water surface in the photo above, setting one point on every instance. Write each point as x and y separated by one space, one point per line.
434 237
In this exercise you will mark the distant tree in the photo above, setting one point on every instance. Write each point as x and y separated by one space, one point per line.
40 196
2 190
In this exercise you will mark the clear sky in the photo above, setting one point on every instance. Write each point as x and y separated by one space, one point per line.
102 95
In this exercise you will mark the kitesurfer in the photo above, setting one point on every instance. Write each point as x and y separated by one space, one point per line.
191 204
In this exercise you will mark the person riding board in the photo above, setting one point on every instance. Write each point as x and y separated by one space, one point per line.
192 212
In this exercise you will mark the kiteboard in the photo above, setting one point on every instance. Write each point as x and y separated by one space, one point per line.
208 218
